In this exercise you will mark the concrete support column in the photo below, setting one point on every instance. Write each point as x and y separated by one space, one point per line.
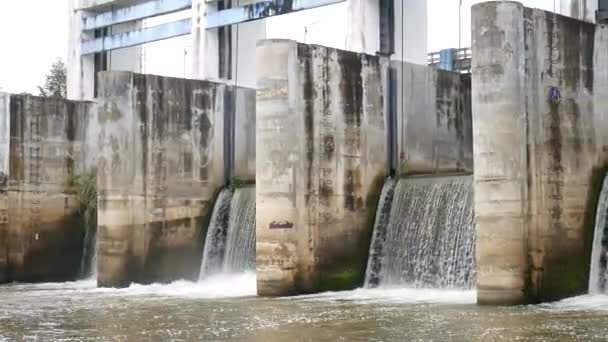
205 43
411 31
579 9
244 40
410 36
600 89
4 167
276 239
80 69
240 52
363 26
499 143
321 149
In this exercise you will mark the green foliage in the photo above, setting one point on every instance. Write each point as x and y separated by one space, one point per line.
86 187
56 81
87 194
235 183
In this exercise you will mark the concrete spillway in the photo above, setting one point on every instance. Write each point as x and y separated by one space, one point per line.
599 255
230 243
424 234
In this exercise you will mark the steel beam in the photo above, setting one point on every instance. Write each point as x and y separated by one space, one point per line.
101 5
261 10
137 37
136 12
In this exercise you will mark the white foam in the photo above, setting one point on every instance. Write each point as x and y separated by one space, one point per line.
220 286
68 285
590 302
396 296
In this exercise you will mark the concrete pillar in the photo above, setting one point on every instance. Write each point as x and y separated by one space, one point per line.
121 180
411 31
321 149
244 40
363 29
206 44
540 150
81 69
499 144
4 167
579 9
600 89
363 26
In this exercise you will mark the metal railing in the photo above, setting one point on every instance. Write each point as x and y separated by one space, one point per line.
458 60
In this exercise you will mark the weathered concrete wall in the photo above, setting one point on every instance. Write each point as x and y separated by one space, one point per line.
539 141
162 162
41 145
4 164
244 135
433 119
321 164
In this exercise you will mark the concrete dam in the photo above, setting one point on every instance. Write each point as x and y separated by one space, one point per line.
339 170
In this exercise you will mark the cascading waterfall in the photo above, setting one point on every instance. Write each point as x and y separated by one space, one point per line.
240 247
88 261
215 242
376 249
87 196
599 254
230 242
428 239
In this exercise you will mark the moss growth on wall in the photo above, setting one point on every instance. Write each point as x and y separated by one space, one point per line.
235 183
565 276
346 279
408 168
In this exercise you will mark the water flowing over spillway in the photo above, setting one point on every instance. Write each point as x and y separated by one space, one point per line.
599 255
240 247
215 242
376 249
428 239
88 261
230 243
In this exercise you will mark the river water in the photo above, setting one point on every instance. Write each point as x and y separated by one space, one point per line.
224 308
